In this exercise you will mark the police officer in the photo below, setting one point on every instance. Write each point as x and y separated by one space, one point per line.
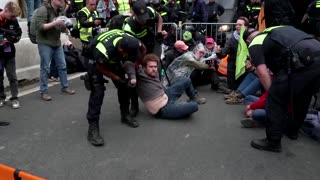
313 16
88 22
252 12
111 54
141 24
294 58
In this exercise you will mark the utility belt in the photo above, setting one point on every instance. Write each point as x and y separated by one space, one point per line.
300 57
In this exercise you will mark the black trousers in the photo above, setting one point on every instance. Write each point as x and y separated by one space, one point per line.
295 92
125 93
204 77
8 64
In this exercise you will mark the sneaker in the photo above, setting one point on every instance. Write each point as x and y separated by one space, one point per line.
15 104
53 79
223 79
248 123
231 95
45 97
198 100
2 102
235 100
68 91
224 90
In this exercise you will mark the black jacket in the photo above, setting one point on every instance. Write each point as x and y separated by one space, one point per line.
10 29
214 10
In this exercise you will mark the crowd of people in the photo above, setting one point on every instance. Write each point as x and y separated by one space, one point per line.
275 74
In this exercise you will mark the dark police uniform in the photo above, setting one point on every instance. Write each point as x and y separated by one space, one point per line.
294 58
106 55
143 33
313 12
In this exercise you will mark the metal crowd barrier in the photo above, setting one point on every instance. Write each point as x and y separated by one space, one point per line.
217 31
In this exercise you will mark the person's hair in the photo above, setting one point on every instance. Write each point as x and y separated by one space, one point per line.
150 57
247 33
246 21
88 1
13 8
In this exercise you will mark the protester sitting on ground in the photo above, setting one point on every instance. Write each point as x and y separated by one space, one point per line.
200 77
231 48
255 111
188 40
179 49
161 102
185 64
249 86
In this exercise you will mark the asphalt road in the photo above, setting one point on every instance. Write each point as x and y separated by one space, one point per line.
48 139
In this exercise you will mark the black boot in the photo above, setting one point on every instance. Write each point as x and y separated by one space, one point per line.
134 110
127 119
267 145
4 123
94 136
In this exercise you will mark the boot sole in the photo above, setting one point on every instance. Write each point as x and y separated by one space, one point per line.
95 144
265 149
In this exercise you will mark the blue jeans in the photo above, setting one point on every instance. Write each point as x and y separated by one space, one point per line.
174 110
53 70
31 6
257 114
56 54
250 85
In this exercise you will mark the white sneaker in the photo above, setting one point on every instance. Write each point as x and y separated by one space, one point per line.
15 104
2 101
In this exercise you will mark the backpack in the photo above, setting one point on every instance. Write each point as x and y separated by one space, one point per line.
32 32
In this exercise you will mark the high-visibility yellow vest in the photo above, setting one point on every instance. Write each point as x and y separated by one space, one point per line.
124 6
318 4
128 29
258 40
86 33
116 34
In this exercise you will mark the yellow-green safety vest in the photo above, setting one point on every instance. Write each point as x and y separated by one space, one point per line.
318 4
258 40
86 33
124 6
127 27
106 36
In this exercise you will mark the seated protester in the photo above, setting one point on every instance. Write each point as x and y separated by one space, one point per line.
188 40
161 102
249 86
255 111
185 64
179 48
201 77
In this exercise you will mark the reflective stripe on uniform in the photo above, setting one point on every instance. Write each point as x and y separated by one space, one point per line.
124 6
85 33
223 65
318 4
258 40
78 1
